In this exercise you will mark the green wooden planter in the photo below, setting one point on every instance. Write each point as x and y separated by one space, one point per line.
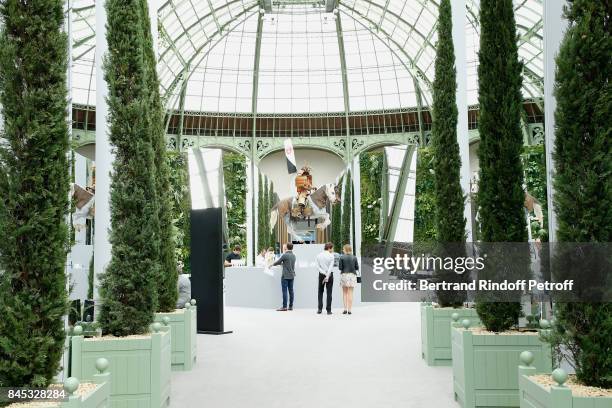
99 397
534 395
484 365
140 365
436 333
182 324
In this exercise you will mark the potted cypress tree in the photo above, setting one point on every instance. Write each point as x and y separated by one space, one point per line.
128 287
448 199
180 320
34 185
582 163
484 360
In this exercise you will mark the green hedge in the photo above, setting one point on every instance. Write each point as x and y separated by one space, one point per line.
234 172
181 207
425 205
371 166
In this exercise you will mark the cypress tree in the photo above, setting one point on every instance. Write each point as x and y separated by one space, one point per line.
167 290
336 225
449 202
128 290
260 215
500 195
34 185
264 222
347 210
583 169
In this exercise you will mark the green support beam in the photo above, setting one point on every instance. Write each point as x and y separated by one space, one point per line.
345 88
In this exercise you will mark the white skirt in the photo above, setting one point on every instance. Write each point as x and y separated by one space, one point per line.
348 280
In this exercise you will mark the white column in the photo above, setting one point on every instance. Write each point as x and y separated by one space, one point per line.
104 158
554 28
463 135
356 173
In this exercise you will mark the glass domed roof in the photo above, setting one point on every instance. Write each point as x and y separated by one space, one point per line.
287 56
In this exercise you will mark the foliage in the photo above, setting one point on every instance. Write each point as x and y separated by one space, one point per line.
371 166
583 168
234 173
534 166
500 195
34 185
181 207
448 196
128 287
90 278
347 209
425 207
336 225
167 289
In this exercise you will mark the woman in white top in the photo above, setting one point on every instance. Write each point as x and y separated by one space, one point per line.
260 259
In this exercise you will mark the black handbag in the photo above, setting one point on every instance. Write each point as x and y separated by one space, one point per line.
358 279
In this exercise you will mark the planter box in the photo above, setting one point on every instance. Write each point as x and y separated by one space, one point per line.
140 365
436 332
484 366
99 397
182 323
533 395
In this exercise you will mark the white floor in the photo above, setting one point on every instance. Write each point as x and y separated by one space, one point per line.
301 359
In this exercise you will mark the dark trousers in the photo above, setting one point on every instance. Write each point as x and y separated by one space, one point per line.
330 286
287 286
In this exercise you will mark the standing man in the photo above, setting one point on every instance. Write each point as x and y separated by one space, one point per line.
325 264
288 261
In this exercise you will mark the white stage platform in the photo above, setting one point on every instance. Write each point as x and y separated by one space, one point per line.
260 288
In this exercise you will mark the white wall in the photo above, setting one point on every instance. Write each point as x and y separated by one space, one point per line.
325 168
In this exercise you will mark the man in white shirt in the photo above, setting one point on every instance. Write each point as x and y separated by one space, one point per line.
325 263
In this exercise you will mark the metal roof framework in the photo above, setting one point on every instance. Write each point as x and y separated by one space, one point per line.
217 55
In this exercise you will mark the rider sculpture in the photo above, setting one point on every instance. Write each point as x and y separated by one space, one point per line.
310 202
303 185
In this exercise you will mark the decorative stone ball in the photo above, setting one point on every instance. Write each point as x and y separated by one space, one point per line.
78 330
466 323
156 327
527 358
544 324
166 320
455 317
193 302
71 385
187 305
560 376
102 365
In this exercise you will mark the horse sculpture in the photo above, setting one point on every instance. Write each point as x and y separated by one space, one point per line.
316 205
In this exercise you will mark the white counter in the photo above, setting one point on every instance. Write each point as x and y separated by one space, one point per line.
260 288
